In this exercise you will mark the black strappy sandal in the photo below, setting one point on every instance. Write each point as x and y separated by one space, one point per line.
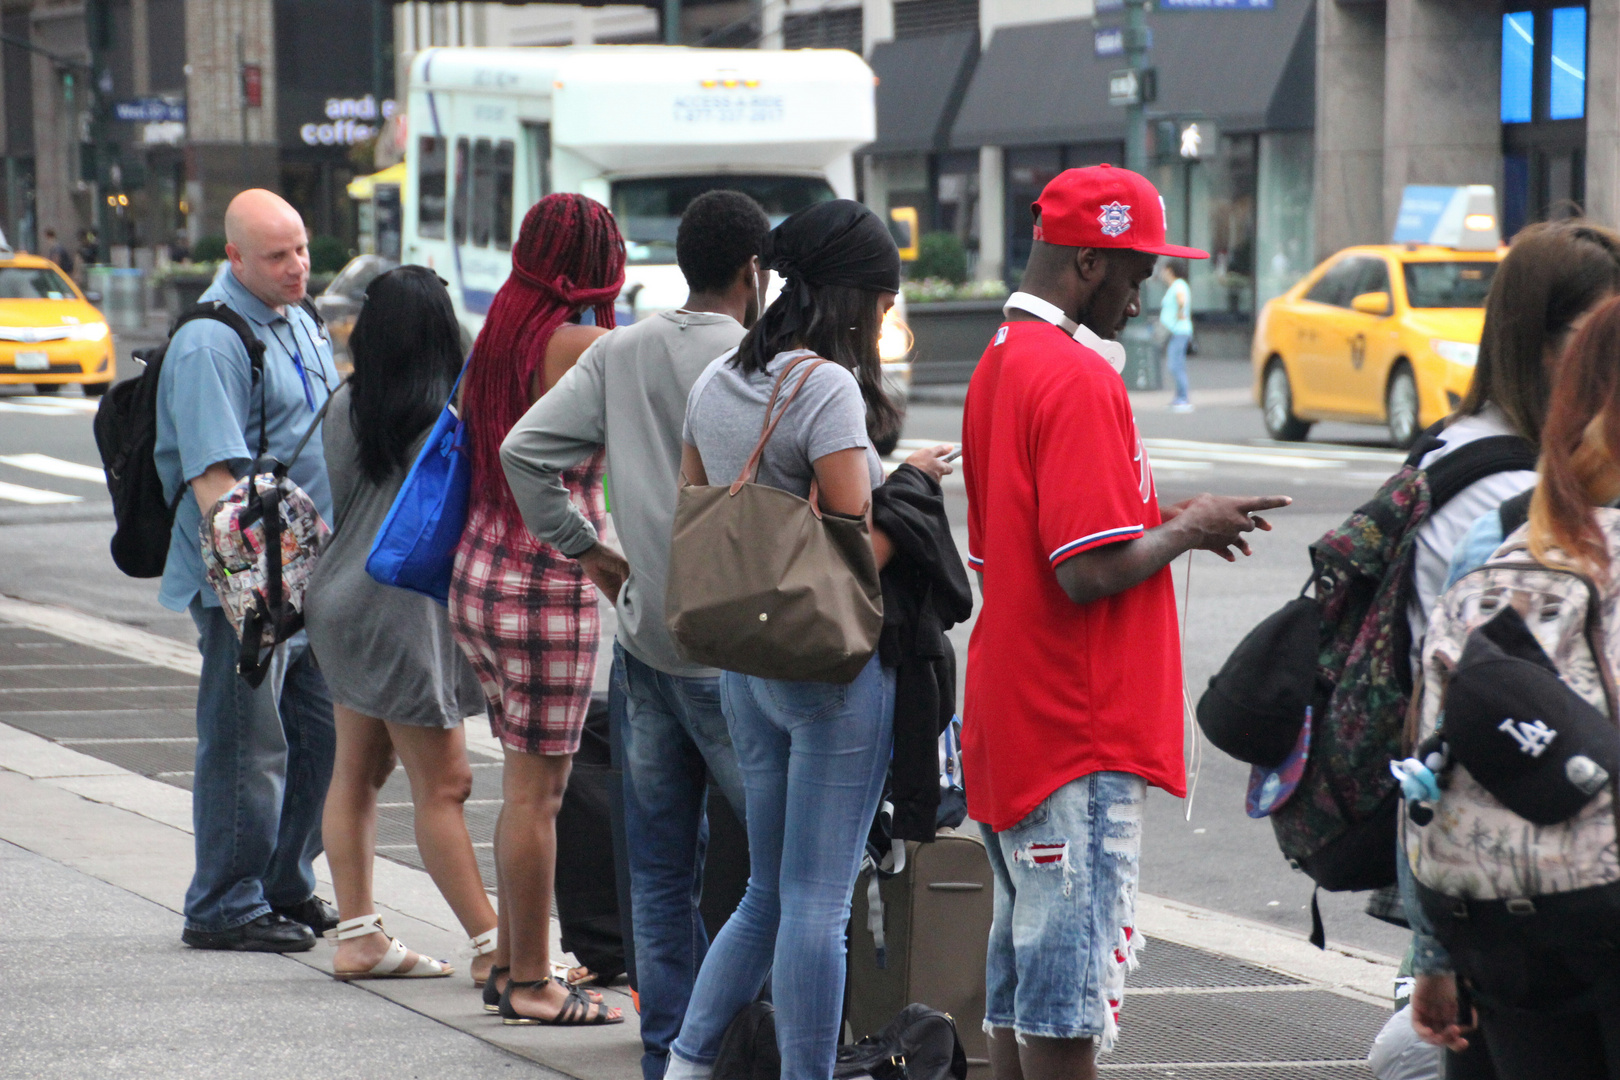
575 1011
492 994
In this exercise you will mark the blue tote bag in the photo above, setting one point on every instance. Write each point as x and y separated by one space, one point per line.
415 548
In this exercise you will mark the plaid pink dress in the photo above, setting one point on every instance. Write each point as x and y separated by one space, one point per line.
525 615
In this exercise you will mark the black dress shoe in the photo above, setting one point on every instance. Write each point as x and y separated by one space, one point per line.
314 913
268 933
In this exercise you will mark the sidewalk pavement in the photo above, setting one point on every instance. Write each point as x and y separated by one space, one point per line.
95 855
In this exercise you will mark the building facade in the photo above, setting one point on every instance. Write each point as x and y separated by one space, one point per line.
982 102
1519 95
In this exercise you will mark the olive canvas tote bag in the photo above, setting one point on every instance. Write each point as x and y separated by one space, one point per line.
764 583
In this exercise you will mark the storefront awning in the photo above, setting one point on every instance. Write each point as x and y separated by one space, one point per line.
920 84
1249 70
361 187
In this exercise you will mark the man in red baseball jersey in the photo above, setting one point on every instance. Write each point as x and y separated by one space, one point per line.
1074 686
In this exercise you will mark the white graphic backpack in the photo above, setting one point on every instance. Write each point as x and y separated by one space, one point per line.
1463 842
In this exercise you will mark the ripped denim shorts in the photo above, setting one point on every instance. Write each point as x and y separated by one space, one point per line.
1065 900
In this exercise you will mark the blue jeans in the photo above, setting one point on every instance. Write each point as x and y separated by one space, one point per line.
674 734
264 759
1175 356
813 759
1065 880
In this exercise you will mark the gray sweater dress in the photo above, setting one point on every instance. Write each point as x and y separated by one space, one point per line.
385 652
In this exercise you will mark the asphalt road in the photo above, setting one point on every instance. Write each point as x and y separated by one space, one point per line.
55 522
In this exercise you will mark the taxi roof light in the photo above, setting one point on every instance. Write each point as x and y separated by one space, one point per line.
1461 218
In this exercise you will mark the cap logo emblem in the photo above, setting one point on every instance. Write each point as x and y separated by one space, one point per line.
1532 738
1585 773
1114 219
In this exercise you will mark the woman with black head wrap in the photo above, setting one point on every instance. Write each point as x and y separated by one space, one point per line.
813 755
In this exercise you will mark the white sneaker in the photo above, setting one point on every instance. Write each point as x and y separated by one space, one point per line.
1181 407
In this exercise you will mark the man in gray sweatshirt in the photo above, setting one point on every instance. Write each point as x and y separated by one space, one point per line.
628 393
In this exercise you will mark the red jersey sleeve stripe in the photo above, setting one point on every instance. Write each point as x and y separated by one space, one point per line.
1096 539
974 561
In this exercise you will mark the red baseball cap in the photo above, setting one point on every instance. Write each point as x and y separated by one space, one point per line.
1105 207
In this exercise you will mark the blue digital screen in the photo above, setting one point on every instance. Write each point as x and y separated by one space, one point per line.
1567 100
1518 65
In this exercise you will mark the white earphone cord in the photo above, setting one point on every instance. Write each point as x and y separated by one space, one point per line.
1195 752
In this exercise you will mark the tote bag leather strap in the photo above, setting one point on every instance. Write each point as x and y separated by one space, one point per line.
750 470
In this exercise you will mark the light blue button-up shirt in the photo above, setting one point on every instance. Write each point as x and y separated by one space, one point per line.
208 412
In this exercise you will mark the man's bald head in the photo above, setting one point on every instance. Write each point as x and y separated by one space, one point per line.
267 246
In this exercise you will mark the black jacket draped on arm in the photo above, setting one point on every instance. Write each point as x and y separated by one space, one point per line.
925 593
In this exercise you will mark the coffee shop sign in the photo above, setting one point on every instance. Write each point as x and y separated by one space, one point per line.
348 121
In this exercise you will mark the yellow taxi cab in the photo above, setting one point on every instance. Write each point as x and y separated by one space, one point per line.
50 335
1383 334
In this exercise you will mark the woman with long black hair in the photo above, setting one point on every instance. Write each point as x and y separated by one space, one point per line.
400 684
813 755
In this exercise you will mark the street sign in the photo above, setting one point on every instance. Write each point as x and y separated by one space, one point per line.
151 110
1133 86
1114 40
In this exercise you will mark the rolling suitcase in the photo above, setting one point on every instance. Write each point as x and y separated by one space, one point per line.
936 930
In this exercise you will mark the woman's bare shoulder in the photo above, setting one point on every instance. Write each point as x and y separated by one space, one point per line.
570 340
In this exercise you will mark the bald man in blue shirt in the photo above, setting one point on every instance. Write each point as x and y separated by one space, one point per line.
264 755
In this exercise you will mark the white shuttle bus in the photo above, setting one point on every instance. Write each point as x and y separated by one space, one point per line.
643 129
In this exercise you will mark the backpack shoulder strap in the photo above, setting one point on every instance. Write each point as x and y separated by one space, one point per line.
1427 440
308 304
1514 512
320 415
1475 461
219 311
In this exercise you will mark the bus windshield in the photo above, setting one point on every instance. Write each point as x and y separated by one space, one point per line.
1448 284
649 210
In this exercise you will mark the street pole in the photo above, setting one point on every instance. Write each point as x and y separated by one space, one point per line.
98 16
672 22
1136 40
380 53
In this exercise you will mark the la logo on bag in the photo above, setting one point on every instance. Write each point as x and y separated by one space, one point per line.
1533 738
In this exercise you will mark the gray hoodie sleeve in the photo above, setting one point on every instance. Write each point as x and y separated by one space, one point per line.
562 429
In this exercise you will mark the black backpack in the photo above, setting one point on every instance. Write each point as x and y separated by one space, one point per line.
126 433
748 1049
918 1044
1353 669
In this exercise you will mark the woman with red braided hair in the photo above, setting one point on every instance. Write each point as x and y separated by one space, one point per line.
524 613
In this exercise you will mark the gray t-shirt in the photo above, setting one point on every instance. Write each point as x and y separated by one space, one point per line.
726 411
628 393
384 651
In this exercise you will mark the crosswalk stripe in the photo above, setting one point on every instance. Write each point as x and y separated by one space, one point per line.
34 496
17 405
71 404
1192 455
1295 450
51 466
